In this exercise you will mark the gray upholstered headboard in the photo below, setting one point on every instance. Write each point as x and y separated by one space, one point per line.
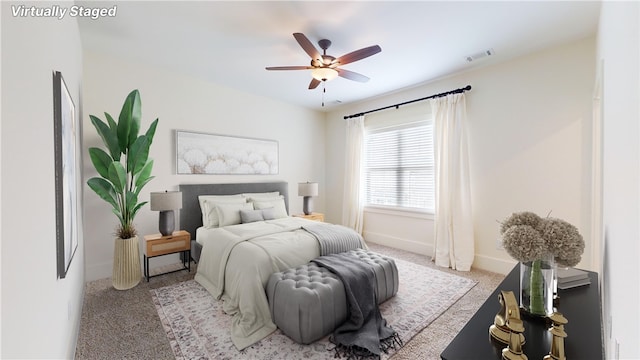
190 215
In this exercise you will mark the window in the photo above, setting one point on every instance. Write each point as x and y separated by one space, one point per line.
399 168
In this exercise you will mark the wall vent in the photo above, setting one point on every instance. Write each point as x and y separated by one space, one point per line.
479 55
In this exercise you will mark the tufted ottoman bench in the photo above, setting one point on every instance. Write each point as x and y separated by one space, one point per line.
308 302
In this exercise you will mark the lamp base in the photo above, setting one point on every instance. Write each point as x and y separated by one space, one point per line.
167 222
307 205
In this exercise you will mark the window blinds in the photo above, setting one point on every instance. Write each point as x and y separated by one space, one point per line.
399 169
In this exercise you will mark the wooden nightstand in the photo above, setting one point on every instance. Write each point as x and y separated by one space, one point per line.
158 245
312 216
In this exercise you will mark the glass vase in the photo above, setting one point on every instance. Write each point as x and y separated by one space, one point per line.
537 286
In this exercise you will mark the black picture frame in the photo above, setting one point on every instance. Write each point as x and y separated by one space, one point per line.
66 184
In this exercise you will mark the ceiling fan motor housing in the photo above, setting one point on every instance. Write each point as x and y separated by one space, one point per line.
324 44
326 59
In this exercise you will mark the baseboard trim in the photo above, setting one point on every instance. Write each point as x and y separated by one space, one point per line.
105 270
493 264
399 243
481 262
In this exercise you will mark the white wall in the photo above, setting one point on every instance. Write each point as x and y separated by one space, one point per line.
185 103
40 313
618 50
529 123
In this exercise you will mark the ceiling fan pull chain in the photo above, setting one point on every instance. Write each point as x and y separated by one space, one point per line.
324 90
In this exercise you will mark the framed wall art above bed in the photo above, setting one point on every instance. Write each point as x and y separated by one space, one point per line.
201 153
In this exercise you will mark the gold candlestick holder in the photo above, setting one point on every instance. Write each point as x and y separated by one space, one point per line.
509 310
557 342
514 350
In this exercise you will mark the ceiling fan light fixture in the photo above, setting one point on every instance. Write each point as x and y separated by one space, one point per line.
324 74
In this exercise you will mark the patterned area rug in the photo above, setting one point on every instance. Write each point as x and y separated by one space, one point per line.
197 327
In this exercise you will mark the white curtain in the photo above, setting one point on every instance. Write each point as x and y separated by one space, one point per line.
352 214
454 243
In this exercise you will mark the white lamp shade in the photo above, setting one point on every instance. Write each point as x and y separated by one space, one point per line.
167 200
308 189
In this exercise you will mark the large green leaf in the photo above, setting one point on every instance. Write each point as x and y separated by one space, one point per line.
101 161
129 120
112 123
137 190
138 154
152 131
134 211
104 189
130 202
118 177
143 177
109 138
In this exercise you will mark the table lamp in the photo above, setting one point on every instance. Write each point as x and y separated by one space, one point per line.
166 202
307 190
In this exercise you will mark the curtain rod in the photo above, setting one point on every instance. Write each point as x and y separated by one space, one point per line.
456 91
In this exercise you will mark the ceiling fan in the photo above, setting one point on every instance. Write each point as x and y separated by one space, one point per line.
326 67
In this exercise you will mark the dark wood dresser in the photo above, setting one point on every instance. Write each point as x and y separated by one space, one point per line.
581 307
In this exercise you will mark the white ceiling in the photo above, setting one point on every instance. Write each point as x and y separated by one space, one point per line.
231 43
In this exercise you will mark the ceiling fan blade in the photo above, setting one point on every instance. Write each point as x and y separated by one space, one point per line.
289 67
352 75
314 84
307 46
358 55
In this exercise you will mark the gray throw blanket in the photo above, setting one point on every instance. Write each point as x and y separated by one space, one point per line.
365 333
335 238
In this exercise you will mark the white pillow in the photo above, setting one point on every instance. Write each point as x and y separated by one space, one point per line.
229 214
262 196
208 207
280 211
265 198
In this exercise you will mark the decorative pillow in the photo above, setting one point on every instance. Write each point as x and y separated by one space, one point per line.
262 195
248 216
208 207
265 198
268 213
280 211
229 214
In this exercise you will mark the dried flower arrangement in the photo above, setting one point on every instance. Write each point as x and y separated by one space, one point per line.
528 237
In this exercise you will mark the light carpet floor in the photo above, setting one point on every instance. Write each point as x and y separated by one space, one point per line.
198 328
125 325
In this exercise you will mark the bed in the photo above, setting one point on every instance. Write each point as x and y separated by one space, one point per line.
235 260
191 205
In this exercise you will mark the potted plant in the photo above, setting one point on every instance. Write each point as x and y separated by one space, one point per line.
124 169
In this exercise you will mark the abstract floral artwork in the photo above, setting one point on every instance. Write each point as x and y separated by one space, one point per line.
199 153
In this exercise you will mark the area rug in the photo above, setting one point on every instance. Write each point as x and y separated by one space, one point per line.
197 327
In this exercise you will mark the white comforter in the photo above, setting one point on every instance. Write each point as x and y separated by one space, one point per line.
236 263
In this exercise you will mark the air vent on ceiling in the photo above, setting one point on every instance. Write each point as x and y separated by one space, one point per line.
479 55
